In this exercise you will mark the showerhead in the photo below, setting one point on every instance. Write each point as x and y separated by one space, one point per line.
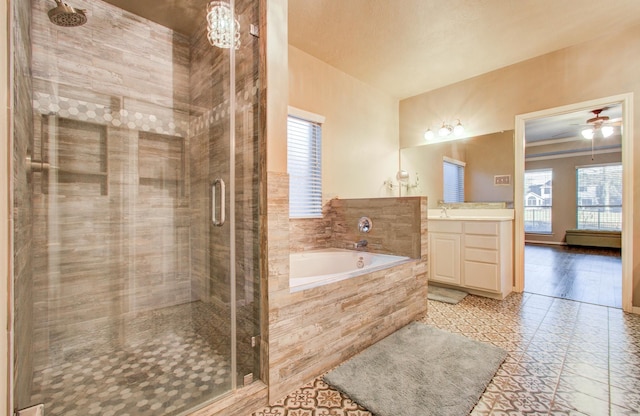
67 16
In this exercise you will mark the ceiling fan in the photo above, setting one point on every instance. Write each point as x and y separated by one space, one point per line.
599 123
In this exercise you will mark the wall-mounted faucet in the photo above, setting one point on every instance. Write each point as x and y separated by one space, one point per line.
360 244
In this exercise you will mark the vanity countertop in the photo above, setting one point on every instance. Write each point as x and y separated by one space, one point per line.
471 215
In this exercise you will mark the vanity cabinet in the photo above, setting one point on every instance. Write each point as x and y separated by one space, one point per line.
476 255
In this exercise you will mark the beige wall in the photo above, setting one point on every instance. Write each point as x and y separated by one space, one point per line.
485 156
489 103
563 211
277 90
360 134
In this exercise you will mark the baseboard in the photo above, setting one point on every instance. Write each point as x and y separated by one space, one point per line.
635 309
554 243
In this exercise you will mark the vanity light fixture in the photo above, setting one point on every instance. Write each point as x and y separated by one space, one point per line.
428 135
223 30
445 130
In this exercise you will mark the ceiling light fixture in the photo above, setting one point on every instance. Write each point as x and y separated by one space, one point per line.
223 30
598 126
445 130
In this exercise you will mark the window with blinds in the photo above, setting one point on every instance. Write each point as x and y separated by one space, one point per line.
453 180
304 166
599 197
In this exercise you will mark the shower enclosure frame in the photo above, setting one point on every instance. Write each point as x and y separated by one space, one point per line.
258 391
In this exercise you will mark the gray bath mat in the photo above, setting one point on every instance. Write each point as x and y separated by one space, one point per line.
442 294
419 370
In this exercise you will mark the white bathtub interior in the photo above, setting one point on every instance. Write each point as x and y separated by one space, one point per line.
315 268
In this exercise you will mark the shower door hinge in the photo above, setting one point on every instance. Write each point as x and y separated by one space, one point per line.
255 341
37 410
253 30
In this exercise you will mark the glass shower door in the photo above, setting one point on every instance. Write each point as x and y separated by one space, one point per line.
136 193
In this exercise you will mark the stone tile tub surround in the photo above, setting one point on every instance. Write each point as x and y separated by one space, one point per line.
314 330
399 226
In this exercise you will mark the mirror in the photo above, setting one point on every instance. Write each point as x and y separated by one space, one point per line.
488 173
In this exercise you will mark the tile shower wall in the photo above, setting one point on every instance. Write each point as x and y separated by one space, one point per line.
314 330
21 199
111 217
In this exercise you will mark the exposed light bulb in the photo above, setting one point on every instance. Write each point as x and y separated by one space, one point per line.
587 134
428 135
458 130
444 130
606 131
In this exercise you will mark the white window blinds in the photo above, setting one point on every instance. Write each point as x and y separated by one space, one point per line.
453 180
304 166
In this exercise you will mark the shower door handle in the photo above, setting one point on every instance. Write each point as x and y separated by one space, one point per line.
218 184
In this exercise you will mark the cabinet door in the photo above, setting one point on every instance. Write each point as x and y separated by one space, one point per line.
445 258
481 275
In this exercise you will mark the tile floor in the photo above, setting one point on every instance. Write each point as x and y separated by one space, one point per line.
565 358
172 364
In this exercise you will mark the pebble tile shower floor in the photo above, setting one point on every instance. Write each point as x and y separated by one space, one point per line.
565 358
169 373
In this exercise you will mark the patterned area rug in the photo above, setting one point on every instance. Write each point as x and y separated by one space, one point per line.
419 370
442 294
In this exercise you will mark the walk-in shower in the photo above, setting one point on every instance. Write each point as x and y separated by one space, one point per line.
131 296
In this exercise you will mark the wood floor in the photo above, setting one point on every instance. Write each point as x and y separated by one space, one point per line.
592 275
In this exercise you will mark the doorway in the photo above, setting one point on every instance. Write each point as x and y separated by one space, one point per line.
523 214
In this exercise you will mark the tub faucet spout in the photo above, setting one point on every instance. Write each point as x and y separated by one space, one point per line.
361 243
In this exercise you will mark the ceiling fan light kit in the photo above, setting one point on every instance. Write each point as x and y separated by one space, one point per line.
598 125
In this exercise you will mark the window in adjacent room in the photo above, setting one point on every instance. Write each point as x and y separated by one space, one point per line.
599 197
304 164
537 201
453 180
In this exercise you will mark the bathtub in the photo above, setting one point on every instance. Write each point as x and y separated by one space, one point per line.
320 267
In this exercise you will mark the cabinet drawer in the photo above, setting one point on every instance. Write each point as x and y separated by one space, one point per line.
480 241
481 227
445 226
481 275
484 256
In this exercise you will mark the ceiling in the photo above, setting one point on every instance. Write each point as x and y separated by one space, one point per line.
413 46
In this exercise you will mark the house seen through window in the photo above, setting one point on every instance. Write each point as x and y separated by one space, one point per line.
537 201
304 164
599 197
